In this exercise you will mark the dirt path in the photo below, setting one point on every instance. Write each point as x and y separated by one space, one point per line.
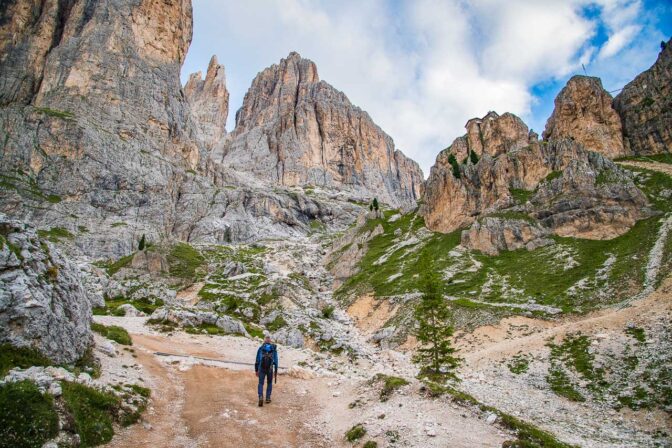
228 411
206 406
654 166
163 424
198 403
500 341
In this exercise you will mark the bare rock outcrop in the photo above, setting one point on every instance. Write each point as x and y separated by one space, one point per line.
583 112
43 304
491 235
645 107
294 129
568 189
209 101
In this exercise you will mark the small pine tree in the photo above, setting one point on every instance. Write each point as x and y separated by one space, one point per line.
141 244
436 355
375 204
473 157
662 45
370 207
456 166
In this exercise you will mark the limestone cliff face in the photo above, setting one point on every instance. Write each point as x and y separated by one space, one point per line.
560 177
645 107
583 112
294 129
94 113
209 102
99 134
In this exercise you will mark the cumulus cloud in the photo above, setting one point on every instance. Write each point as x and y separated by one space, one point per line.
423 68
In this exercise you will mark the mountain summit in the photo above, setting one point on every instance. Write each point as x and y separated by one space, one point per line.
294 129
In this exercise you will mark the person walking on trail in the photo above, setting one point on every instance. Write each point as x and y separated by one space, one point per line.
267 360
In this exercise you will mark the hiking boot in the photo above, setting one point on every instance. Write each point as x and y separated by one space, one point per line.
261 402
268 401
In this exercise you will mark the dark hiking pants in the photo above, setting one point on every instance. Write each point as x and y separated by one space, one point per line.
269 387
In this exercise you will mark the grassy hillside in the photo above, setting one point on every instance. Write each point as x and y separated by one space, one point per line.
572 275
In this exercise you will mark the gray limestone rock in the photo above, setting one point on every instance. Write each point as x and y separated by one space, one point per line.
42 301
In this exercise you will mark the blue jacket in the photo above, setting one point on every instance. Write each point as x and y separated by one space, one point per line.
257 363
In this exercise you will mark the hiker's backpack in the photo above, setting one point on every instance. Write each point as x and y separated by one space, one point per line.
267 354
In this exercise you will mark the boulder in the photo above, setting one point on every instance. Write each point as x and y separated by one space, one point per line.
150 261
42 301
291 337
131 311
491 235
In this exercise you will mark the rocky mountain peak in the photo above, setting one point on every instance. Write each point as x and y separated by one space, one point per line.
462 190
209 101
294 129
583 112
493 135
281 85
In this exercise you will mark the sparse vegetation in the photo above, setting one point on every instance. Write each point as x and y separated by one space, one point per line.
205 329
112 267
92 411
146 304
328 312
355 433
661 158
389 384
518 364
26 185
527 435
276 324
552 176
637 333
455 166
606 177
62 114
55 234
521 196
560 384
27 417
23 357
185 261
647 101
113 332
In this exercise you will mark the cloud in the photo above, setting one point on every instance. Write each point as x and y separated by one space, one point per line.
423 68
618 41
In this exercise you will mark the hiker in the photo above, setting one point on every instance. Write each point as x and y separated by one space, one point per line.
267 358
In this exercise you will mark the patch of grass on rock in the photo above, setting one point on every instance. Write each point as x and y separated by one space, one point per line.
27 417
23 357
92 411
113 332
355 433
637 333
55 234
390 384
184 261
518 364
